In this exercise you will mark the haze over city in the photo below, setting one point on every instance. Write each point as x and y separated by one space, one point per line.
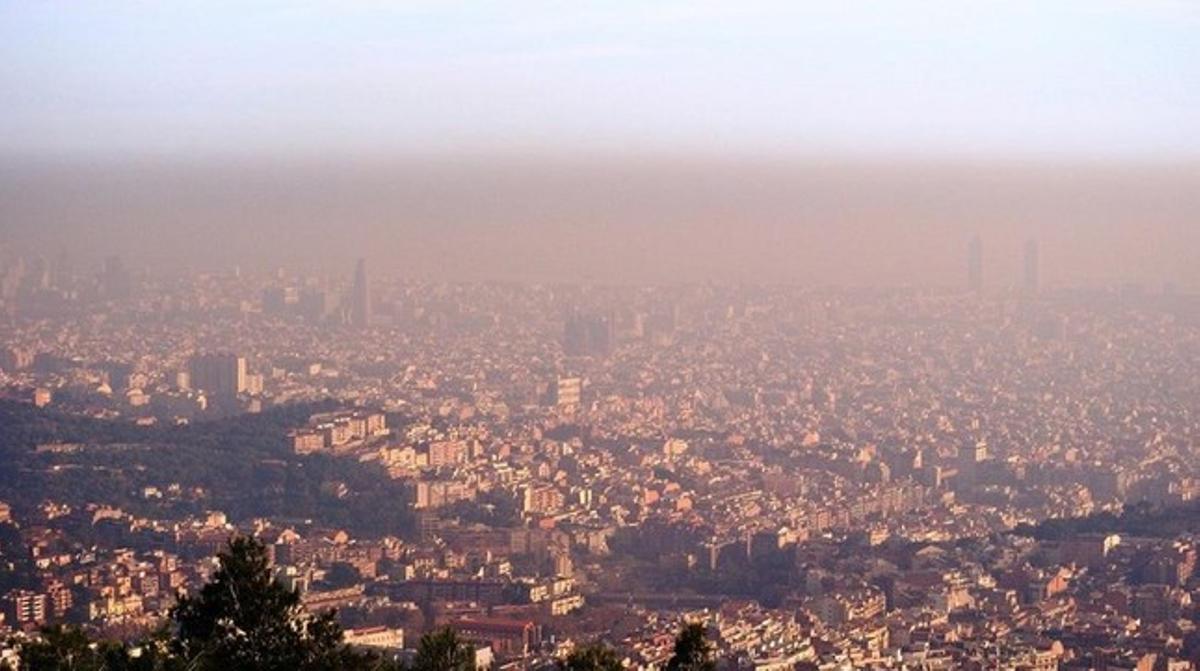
576 336
781 142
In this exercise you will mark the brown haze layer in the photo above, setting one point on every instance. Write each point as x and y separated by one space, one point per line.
649 220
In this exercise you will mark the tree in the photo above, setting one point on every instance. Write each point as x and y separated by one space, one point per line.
342 575
245 619
591 657
443 650
693 652
60 648
70 649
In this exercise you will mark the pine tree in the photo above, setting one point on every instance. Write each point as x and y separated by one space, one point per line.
592 657
70 649
244 619
442 650
60 649
692 652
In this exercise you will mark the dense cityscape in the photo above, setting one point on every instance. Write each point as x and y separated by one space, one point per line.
684 335
989 477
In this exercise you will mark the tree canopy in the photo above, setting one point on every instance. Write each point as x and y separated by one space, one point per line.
443 650
692 652
243 465
591 657
241 620
244 619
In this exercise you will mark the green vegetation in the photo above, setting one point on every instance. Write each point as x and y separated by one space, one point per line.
69 649
591 657
243 465
443 650
692 651
1141 519
494 508
765 576
17 569
243 620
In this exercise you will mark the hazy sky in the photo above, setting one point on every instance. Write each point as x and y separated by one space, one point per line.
1029 77
843 141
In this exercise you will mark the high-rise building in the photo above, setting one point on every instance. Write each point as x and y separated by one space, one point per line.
25 607
659 326
39 277
117 373
116 280
1032 270
971 456
602 334
15 358
575 336
221 375
589 335
274 300
314 304
975 264
360 298
567 391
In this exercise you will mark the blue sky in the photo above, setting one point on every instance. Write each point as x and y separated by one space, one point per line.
1059 78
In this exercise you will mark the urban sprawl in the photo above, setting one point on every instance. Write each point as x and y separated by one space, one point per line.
987 477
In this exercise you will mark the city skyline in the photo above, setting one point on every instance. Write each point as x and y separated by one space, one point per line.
653 221
699 335
779 142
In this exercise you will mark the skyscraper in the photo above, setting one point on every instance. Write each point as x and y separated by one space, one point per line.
1031 267
586 334
314 303
274 300
975 265
115 280
221 375
360 298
